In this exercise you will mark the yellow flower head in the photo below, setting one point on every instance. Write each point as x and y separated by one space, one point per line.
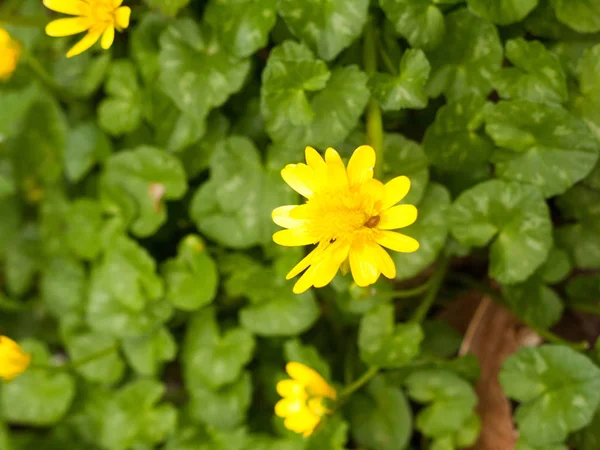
97 17
348 214
13 360
10 51
303 396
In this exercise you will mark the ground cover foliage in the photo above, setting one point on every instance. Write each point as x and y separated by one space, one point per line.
136 190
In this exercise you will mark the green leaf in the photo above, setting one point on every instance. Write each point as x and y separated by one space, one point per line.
330 114
584 291
147 176
107 369
133 419
84 224
195 71
144 45
582 242
307 355
537 76
222 409
15 106
558 388
243 26
502 12
191 277
194 438
86 146
384 344
146 354
168 7
63 286
516 215
211 358
469 64
587 104
420 22
534 302
451 401
542 22
589 437
453 142
581 15
380 416
430 229
441 339
82 76
37 397
121 112
405 90
234 206
327 27
557 267
332 435
23 260
541 144
130 307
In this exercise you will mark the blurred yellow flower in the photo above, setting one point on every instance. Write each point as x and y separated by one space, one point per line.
348 214
98 17
10 50
13 360
303 405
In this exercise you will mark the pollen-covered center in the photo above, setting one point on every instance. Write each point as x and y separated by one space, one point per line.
341 214
102 11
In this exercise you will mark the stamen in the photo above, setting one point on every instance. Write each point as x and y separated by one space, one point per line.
372 222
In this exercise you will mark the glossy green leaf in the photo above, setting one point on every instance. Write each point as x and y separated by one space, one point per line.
558 388
581 15
146 176
327 27
542 145
144 45
380 416
86 146
191 278
330 114
537 74
583 291
406 157
405 90
147 353
83 76
37 397
121 112
587 104
589 437
468 65
191 53
420 22
212 358
534 302
513 217
84 224
430 229
454 143
384 344
108 368
557 267
168 7
243 26
502 12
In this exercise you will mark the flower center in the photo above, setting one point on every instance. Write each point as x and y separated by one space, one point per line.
102 11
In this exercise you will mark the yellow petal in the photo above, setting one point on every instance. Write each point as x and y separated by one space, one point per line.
306 281
88 40
281 216
303 422
330 264
71 7
313 382
116 3
395 190
67 27
364 263
396 241
4 38
307 261
289 406
315 404
13 360
361 164
374 191
294 237
291 389
397 217
385 263
333 157
108 37
122 16
314 160
300 178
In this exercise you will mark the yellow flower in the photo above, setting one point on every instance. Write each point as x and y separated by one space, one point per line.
13 360
10 51
348 214
303 396
97 17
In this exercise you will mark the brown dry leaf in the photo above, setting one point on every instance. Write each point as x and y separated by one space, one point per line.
493 334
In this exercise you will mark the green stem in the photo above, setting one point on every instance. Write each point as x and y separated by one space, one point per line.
549 336
374 119
41 72
436 283
79 362
356 385
589 309
408 293
24 21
